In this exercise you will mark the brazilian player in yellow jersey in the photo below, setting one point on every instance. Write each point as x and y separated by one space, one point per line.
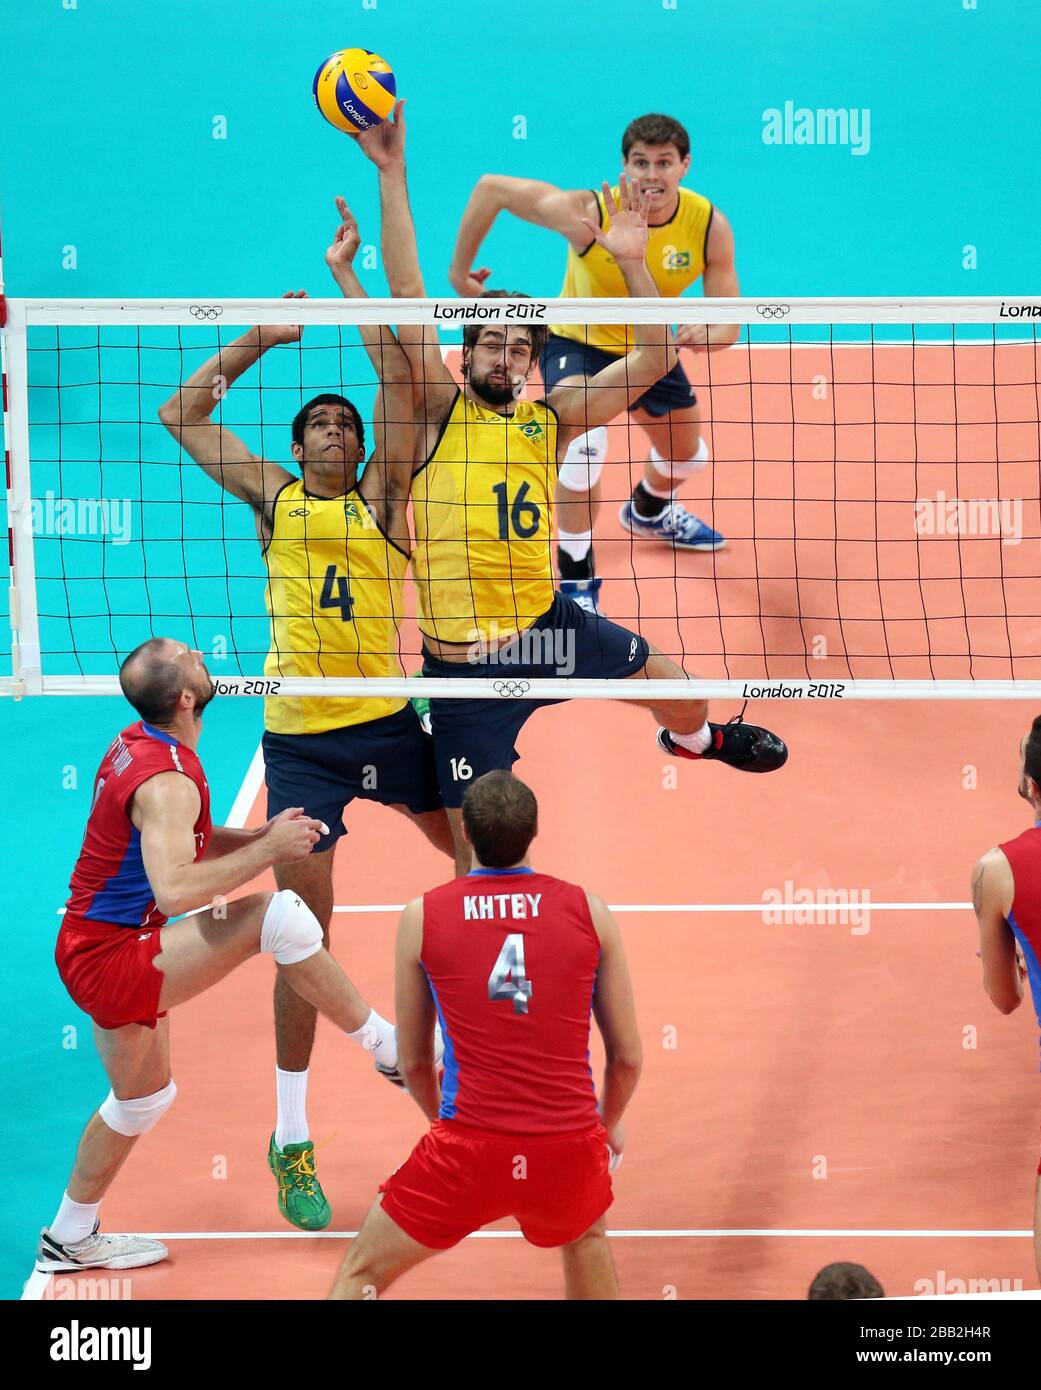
336 551
486 465
689 239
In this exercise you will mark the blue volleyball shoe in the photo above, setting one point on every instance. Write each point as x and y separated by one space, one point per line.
584 592
675 526
744 746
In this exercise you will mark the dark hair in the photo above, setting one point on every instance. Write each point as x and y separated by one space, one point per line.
302 416
842 1281
655 130
537 332
501 818
1032 752
156 687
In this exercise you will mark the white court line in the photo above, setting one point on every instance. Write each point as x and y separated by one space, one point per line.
783 907
637 1233
35 1286
247 793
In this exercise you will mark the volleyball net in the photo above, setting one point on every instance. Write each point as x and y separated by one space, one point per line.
874 465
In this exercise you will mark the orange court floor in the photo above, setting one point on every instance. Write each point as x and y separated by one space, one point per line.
832 1085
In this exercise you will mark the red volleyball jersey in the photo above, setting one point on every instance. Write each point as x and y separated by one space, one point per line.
511 956
1024 855
109 883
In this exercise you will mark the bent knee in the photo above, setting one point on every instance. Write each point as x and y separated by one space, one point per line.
290 930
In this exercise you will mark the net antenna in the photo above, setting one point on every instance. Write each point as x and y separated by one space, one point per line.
875 465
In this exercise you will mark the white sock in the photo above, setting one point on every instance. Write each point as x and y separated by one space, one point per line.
75 1220
577 544
377 1036
693 743
291 1125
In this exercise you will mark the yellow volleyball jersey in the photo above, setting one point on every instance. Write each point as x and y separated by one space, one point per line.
675 258
481 509
334 595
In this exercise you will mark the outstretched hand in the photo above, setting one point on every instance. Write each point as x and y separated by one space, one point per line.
278 334
384 144
346 239
626 238
469 283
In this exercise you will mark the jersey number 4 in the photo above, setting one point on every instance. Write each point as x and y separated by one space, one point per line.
338 596
507 980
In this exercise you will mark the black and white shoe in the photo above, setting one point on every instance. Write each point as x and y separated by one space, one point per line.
98 1252
393 1074
744 746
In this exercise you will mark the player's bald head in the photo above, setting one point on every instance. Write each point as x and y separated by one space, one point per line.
501 817
157 673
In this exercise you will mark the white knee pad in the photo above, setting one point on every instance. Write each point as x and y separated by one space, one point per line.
677 469
290 932
584 461
133 1117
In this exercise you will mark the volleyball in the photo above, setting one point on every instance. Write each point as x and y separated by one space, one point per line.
354 90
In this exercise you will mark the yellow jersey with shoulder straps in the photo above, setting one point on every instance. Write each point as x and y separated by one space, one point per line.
481 510
675 259
334 595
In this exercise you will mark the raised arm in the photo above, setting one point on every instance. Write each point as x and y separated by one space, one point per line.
615 1014
165 808
219 452
719 281
433 386
387 477
602 397
992 892
560 210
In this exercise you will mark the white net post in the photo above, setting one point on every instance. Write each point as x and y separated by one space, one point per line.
26 674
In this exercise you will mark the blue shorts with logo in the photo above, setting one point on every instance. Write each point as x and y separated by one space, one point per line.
563 357
472 737
389 760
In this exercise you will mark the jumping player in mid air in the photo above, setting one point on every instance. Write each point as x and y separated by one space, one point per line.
481 496
151 852
336 551
1006 893
512 962
689 239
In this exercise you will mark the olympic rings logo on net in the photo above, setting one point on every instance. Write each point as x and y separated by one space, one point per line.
512 689
205 311
773 311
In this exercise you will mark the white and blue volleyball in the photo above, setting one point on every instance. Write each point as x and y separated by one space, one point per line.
354 90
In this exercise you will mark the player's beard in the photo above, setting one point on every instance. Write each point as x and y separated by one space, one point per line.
494 392
203 695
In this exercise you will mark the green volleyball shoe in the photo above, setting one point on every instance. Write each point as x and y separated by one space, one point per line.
300 1197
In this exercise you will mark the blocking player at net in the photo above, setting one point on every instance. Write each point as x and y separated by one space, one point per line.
689 239
1006 894
486 465
336 550
512 963
151 852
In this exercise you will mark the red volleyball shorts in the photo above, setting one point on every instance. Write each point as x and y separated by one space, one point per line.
109 971
458 1179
